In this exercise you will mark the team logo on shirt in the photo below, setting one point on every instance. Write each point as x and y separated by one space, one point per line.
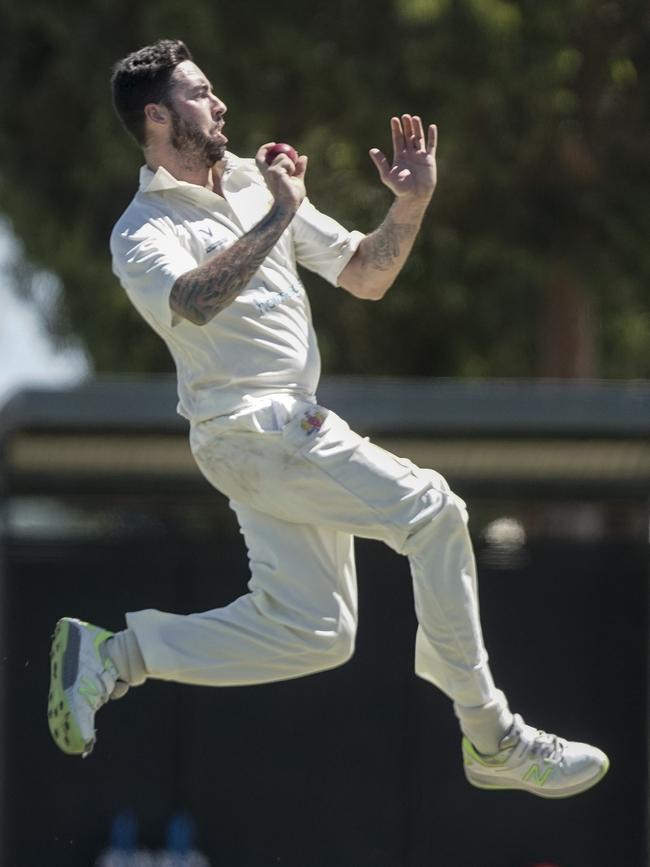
273 299
312 421
212 242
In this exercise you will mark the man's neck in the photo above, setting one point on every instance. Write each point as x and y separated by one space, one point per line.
202 176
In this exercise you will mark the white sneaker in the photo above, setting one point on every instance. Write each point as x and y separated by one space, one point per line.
536 762
82 679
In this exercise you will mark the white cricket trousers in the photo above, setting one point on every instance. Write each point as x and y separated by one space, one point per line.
302 485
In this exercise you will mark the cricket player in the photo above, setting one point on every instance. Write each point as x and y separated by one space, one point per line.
208 252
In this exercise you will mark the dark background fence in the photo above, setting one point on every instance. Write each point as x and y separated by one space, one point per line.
357 767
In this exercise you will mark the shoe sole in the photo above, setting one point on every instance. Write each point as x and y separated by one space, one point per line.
549 793
64 654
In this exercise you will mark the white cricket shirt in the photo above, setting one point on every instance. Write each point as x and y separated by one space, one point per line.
263 343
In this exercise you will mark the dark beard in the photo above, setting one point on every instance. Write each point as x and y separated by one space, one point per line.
195 147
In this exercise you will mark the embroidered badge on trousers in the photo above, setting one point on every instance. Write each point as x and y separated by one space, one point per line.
312 421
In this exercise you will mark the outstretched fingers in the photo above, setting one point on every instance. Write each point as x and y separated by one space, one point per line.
417 133
408 135
412 145
418 141
408 125
383 166
397 134
432 138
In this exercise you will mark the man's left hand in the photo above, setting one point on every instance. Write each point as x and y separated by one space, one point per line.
413 171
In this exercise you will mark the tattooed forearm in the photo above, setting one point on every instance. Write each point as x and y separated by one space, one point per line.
382 254
383 246
203 292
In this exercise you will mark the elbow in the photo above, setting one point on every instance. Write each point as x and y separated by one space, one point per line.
193 316
365 281
369 288
377 292
374 290
196 318
184 305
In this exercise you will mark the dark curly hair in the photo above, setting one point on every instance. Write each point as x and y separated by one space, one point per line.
143 77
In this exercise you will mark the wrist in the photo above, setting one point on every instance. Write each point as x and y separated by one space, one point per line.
410 207
284 211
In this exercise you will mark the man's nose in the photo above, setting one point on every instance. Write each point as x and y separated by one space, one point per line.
219 107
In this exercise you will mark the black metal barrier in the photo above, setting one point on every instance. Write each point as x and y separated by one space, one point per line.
357 767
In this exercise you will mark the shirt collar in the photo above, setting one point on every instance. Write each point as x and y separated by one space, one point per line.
161 179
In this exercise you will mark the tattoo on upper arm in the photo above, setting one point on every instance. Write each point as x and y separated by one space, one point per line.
205 291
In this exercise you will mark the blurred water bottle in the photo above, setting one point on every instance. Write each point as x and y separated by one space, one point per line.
180 851
122 850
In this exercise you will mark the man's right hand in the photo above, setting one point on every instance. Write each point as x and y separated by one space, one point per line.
284 178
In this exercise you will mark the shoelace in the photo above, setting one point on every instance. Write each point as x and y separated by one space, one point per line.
548 746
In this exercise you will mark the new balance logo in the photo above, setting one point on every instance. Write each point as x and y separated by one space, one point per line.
535 776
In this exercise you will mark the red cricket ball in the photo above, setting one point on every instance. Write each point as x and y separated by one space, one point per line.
281 148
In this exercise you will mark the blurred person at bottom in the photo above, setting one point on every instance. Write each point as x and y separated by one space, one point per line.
208 251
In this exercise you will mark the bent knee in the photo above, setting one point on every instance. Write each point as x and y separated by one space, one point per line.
459 505
342 649
444 522
332 649
309 641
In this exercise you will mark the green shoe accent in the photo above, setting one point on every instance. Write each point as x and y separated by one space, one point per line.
81 678
471 754
535 775
61 722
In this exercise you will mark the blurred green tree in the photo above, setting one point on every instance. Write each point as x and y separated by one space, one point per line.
534 259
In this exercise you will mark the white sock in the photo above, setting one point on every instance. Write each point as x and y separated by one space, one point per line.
124 650
485 725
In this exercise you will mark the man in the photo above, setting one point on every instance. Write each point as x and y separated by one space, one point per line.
208 252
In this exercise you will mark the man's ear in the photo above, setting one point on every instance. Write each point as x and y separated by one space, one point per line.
156 113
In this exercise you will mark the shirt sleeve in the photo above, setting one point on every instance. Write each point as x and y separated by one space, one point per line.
321 244
147 262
